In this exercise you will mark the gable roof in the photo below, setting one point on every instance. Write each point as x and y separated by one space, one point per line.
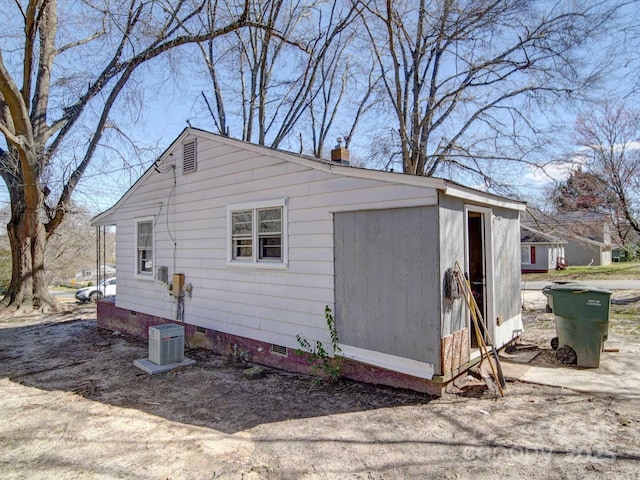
530 235
589 241
578 225
448 187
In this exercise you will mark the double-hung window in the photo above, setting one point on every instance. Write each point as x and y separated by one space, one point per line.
269 233
242 234
144 246
527 254
258 233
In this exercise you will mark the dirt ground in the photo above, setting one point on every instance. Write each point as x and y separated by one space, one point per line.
73 406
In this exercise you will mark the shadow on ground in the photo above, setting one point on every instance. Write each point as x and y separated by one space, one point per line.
69 353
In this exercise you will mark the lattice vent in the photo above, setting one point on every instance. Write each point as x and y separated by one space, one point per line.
189 161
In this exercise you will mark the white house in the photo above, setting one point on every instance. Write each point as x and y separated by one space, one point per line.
92 273
585 251
256 242
540 252
583 237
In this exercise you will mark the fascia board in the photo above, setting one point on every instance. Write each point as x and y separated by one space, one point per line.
448 187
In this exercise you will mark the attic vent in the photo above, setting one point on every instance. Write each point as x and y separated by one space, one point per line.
279 349
189 163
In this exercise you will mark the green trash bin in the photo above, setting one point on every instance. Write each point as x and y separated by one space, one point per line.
547 292
582 322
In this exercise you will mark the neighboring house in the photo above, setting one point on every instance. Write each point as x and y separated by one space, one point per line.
617 253
588 238
586 235
92 273
540 252
584 251
263 240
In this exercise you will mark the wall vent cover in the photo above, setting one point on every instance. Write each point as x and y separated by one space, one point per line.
279 349
166 344
189 161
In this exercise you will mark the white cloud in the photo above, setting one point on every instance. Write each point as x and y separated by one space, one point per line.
555 171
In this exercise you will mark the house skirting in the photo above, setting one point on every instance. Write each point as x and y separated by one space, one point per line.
111 317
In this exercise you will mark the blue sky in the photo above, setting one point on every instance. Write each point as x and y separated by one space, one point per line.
168 107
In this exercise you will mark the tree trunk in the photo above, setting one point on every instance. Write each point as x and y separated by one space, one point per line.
37 116
27 237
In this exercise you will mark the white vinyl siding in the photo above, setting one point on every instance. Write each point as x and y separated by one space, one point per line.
271 301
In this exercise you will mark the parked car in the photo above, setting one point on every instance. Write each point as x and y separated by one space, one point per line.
91 294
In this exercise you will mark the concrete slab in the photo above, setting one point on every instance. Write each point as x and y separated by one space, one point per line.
519 357
150 367
618 374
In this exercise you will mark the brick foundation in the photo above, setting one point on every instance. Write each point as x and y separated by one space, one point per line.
114 318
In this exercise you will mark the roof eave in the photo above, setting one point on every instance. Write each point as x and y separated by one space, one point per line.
446 186
469 194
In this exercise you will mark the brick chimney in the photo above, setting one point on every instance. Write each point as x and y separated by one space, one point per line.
340 154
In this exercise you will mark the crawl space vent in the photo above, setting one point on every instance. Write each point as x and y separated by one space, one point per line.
279 349
189 163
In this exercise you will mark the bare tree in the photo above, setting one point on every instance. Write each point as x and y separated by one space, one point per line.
265 84
346 91
72 246
463 77
623 49
59 86
609 137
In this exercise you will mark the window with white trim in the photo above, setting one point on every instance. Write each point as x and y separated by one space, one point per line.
144 246
257 233
242 234
269 233
525 253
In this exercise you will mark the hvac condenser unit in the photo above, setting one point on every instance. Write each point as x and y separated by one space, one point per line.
166 344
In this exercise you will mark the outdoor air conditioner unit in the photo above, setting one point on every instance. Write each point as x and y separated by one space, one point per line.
166 344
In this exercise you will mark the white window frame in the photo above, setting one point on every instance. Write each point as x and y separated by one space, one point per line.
138 273
528 258
255 261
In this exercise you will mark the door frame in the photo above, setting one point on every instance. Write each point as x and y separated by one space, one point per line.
487 244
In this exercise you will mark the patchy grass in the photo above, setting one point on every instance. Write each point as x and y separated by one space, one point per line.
64 288
631 312
624 315
625 319
625 325
615 271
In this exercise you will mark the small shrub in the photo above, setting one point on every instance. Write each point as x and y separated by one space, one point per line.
319 357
